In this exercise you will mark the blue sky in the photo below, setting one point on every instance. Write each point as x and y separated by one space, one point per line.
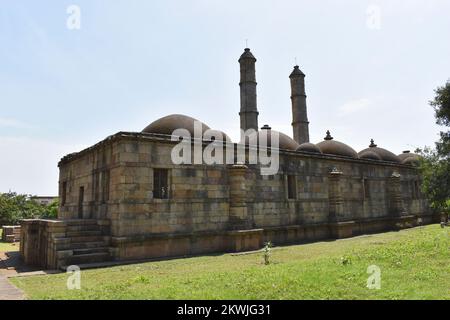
134 61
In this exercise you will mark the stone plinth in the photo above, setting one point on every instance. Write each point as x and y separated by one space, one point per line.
11 233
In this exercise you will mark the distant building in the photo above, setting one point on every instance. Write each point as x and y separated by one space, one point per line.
44 200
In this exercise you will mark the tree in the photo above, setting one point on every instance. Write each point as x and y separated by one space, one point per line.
14 207
435 164
52 210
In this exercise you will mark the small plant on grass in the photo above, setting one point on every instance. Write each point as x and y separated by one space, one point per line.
267 247
345 260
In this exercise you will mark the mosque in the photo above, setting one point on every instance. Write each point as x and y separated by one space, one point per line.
124 199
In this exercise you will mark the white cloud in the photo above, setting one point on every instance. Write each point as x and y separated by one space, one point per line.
354 106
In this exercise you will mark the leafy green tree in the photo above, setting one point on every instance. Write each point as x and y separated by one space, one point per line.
52 210
435 164
14 207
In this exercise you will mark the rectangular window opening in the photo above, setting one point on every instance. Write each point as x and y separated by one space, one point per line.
292 192
160 184
80 202
105 186
366 188
63 193
416 191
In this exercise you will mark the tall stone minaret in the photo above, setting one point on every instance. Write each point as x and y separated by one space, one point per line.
300 121
249 111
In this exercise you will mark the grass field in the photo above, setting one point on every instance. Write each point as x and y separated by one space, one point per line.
414 264
5 246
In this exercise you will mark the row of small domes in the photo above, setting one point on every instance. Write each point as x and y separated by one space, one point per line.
167 125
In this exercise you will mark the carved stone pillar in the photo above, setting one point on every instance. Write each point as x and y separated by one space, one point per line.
395 197
336 203
238 196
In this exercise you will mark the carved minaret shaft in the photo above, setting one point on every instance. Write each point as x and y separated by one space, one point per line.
249 110
300 121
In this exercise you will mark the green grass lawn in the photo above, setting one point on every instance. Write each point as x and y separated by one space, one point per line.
414 263
5 246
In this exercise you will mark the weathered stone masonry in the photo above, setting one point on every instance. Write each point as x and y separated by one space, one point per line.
220 208
111 209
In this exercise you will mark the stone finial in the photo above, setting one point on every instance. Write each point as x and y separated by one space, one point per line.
266 127
328 136
372 144
296 72
247 55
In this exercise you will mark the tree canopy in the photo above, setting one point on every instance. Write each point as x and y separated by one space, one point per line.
14 207
435 164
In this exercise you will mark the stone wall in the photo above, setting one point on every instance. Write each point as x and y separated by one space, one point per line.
334 197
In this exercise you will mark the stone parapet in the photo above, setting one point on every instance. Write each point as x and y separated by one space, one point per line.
39 241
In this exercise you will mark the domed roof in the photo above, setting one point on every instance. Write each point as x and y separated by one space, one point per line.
383 154
407 154
168 124
309 147
284 141
369 154
412 161
409 158
330 146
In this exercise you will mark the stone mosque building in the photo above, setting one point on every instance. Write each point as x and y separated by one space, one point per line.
124 199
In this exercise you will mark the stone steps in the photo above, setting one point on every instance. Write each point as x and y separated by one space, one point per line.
83 238
88 245
83 233
88 227
90 250
81 222
85 242
88 258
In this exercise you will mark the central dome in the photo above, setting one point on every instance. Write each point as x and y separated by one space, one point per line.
168 124
330 146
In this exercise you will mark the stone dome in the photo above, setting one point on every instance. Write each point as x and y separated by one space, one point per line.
407 154
284 141
409 158
382 154
168 124
309 147
412 161
330 146
369 154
